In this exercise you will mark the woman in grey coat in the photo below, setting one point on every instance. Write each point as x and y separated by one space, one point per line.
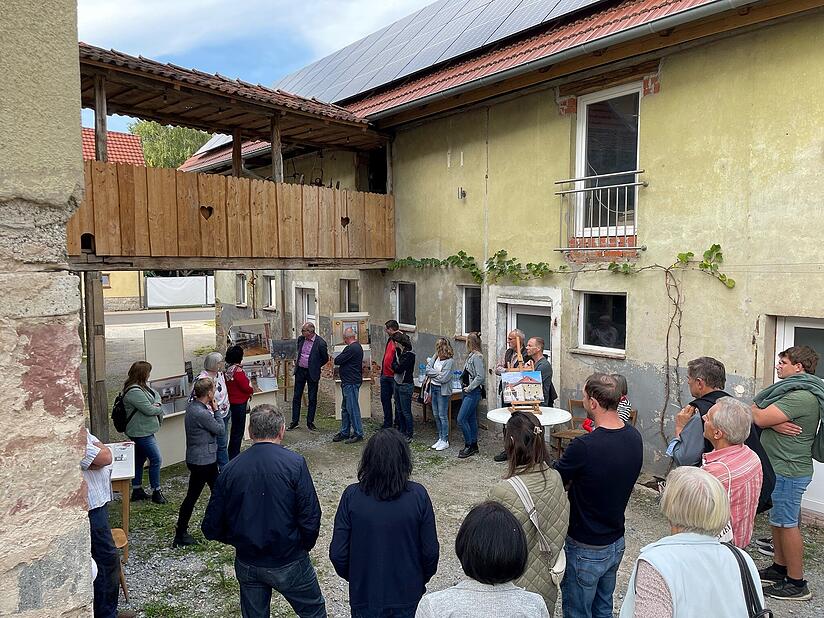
472 380
439 371
203 427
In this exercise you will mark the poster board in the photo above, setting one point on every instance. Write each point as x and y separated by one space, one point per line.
367 360
357 321
285 349
522 386
163 349
254 336
261 373
122 460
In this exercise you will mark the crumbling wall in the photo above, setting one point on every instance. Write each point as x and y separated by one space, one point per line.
44 531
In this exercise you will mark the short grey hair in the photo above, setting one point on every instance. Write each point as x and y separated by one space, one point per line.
265 422
695 501
709 369
733 418
349 332
212 361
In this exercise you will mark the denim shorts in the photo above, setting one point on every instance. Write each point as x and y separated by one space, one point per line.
786 499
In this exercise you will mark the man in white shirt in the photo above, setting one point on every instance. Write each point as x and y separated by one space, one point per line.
97 472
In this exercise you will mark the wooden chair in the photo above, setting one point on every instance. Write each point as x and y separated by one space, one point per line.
561 438
633 416
121 542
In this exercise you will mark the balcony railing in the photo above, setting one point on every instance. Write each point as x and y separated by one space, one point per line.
599 214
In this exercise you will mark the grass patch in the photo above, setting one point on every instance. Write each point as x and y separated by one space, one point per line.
204 350
161 609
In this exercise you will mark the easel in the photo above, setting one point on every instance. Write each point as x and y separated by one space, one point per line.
522 406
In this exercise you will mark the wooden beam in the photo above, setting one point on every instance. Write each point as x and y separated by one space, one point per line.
90 262
237 155
390 181
100 132
277 150
95 330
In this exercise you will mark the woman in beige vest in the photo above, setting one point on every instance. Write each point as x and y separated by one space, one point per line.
529 467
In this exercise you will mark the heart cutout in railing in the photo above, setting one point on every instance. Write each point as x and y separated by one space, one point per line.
206 212
344 221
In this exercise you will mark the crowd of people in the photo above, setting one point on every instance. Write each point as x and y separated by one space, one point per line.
548 526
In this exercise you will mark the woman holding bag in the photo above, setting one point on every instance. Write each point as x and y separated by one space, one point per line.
439 371
531 482
472 380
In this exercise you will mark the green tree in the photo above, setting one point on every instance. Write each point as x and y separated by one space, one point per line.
165 146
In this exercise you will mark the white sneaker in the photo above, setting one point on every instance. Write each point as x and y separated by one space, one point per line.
437 444
443 446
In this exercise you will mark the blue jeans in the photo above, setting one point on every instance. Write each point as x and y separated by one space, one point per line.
297 582
223 444
589 580
350 410
107 582
403 407
440 410
146 448
468 415
786 500
387 394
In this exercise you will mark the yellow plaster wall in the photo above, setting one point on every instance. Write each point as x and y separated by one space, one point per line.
336 165
123 284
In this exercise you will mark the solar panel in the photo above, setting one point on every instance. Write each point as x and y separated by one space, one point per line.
438 32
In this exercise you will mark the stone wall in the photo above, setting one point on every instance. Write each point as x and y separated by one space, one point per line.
44 531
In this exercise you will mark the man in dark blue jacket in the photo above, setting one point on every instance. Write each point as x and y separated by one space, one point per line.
312 354
264 504
350 363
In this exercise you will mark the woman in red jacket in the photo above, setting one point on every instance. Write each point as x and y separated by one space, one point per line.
240 391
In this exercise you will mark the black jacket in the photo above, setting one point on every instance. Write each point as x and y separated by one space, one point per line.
318 357
703 404
405 364
264 504
350 361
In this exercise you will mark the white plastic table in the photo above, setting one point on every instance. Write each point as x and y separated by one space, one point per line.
547 417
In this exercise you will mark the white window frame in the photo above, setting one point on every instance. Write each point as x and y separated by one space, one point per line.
580 160
405 325
106 281
514 309
269 293
582 324
343 286
462 309
241 290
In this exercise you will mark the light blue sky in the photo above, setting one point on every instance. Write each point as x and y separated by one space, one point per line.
258 41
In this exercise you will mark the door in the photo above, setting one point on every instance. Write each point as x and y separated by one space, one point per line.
534 322
809 332
305 307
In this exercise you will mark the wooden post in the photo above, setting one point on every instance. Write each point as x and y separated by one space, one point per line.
237 159
389 179
277 151
98 396
100 131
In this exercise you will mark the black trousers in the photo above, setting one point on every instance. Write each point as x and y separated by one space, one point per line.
302 380
199 476
387 395
238 414
108 564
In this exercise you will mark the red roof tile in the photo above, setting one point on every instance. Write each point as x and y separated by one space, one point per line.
557 38
120 147
221 154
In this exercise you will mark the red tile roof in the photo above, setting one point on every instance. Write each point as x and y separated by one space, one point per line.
556 39
120 147
222 154
218 83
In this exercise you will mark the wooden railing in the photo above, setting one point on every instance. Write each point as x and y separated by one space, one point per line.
132 211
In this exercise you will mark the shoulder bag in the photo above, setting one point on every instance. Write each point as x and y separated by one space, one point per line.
751 600
556 572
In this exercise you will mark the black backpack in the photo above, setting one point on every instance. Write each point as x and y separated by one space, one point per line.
119 418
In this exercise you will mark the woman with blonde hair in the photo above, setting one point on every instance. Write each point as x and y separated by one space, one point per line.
439 372
144 415
472 380
690 573
534 493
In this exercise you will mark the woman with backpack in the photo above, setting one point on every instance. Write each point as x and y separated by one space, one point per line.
532 485
144 414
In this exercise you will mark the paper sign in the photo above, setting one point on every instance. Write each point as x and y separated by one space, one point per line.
122 460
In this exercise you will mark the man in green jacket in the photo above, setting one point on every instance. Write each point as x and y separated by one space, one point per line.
789 411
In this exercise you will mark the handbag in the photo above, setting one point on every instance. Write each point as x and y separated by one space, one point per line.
556 572
751 600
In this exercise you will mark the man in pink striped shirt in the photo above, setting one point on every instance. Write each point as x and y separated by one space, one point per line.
726 426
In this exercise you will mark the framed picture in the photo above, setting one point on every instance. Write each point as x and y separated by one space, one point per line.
522 386
254 336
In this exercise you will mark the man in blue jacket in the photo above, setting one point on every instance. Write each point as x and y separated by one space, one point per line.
264 504
350 364
312 354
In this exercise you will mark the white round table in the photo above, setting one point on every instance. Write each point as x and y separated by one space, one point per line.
548 416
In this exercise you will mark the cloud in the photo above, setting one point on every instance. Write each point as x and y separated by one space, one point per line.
156 28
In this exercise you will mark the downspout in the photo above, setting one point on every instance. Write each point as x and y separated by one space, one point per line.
665 23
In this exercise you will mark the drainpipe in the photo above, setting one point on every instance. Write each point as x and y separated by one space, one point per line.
666 23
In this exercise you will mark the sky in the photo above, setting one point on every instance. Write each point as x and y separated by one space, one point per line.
258 41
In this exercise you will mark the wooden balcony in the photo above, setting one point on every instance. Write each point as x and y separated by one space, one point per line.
151 218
